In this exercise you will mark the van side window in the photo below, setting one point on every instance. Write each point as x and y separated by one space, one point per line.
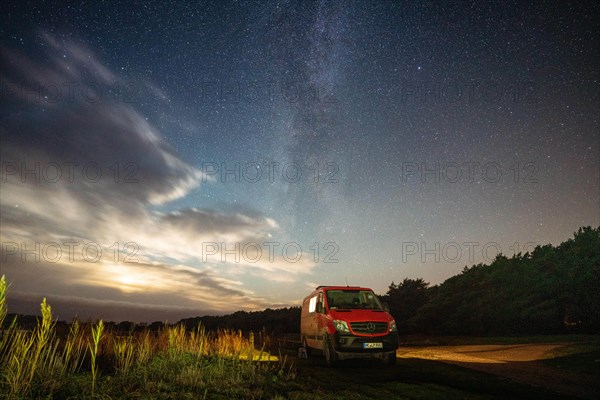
320 307
312 304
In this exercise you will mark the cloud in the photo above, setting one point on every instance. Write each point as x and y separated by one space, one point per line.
99 138
82 168
65 308
169 288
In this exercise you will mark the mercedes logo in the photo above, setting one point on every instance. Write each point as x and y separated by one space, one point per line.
371 326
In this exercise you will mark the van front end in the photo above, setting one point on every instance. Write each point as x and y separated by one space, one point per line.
352 342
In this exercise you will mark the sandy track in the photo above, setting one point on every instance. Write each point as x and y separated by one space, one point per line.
519 363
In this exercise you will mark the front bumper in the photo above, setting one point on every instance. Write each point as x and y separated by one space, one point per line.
349 343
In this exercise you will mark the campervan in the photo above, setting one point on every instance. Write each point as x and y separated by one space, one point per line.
347 322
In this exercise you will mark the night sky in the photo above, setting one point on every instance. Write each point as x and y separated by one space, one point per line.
201 159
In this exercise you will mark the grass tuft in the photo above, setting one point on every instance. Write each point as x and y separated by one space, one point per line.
93 346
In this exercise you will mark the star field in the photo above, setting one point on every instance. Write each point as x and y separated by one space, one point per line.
361 127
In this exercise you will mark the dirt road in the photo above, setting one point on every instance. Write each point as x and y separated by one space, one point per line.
517 362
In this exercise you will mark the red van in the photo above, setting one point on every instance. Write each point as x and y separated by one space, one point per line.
348 322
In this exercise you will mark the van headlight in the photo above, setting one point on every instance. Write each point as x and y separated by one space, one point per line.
393 327
341 326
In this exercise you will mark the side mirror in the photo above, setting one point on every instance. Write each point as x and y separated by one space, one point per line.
386 307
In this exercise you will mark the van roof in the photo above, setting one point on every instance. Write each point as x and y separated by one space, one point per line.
341 287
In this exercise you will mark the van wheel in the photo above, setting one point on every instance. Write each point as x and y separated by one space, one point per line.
331 358
308 349
390 358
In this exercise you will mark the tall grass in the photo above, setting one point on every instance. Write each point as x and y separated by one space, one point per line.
3 307
124 354
3 312
145 348
30 352
73 350
38 364
97 332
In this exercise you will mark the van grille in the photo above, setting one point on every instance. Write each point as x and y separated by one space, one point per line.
369 327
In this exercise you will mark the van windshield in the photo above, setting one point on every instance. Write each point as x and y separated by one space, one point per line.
353 299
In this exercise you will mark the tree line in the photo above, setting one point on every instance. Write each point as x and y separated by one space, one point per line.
553 289
550 290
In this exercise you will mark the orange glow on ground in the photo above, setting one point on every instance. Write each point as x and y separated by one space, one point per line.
484 354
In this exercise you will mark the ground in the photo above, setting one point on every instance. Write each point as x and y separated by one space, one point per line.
543 370
521 363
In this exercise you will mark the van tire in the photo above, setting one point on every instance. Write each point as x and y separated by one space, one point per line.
331 357
390 358
305 345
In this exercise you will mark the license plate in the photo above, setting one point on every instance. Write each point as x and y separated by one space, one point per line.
373 345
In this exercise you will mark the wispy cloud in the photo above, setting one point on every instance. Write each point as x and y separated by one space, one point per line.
114 169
